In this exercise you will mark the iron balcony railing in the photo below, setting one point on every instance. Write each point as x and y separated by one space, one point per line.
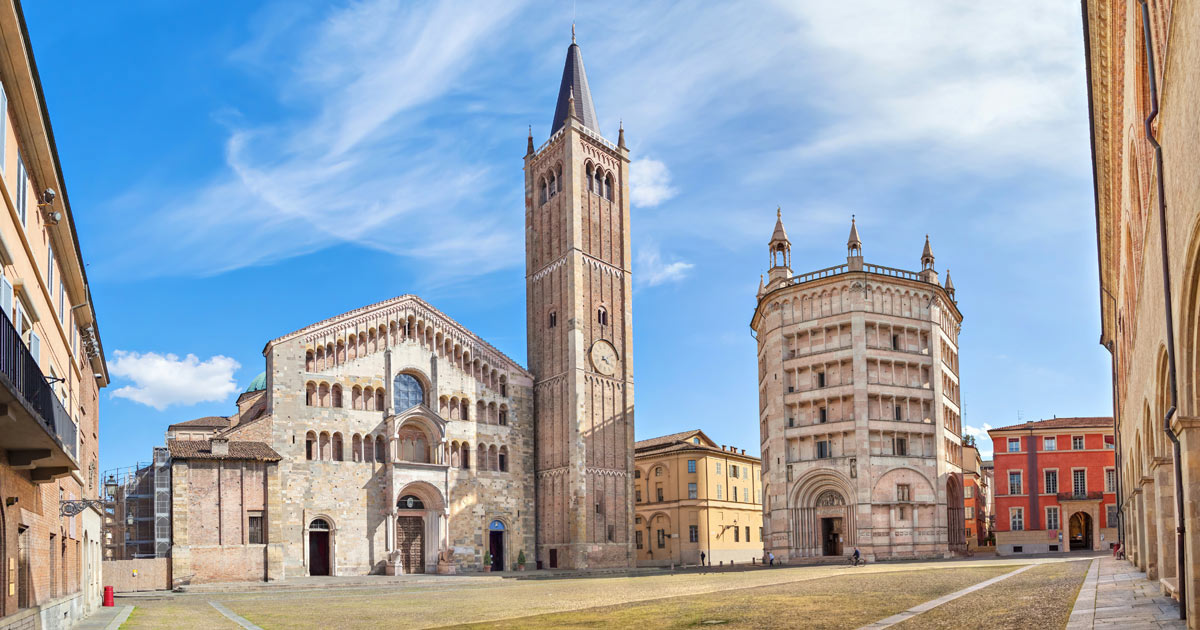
1080 496
21 374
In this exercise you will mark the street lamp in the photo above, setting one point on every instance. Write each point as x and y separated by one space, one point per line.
75 506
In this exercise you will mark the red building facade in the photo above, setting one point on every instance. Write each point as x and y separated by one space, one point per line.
1055 486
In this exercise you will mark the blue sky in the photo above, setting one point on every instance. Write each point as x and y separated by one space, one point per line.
239 173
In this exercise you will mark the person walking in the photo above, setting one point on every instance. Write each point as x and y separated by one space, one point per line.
771 555
701 558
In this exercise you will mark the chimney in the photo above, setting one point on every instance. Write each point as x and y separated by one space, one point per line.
219 446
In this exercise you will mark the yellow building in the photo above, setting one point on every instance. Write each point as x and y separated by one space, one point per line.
694 497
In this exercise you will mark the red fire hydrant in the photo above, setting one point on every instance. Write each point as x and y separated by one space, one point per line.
108 596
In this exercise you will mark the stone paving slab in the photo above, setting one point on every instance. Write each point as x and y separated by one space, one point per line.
105 618
1116 595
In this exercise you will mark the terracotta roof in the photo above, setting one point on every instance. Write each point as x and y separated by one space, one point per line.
688 446
202 449
219 422
1060 423
666 439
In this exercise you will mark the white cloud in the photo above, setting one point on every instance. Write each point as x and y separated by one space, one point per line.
649 183
982 440
652 270
160 380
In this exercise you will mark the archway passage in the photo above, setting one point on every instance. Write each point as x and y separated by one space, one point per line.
956 522
831 536
496 544
1081 531
410 542
318 548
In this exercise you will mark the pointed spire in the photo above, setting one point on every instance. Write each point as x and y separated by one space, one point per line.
927 255
761 287
780 235
571 104
621 136
949 284
854 243
529 146
574 84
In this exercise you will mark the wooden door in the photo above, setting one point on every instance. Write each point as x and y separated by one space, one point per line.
410 542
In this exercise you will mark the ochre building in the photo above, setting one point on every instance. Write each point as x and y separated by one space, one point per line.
392 439
693 497
51 366
1143 66
859 408
1055 486
975 496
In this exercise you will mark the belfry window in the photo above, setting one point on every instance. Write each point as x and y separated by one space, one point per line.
602 316
545 194
553 319
591 182
608 183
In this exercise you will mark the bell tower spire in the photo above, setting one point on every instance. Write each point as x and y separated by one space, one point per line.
579 319
854 257
781 252
927 272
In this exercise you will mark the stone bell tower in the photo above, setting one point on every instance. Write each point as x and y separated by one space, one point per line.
579 330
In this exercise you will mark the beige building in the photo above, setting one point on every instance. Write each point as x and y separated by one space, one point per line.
392 439
693 497
1143 68
51 365
859 408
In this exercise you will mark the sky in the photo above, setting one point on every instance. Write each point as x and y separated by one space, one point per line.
239 172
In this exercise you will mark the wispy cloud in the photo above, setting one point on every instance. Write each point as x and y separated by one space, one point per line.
649 183
652 270
162 380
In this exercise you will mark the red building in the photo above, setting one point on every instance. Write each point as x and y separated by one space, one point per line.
1055 485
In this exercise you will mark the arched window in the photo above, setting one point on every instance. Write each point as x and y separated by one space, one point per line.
319 525
320 359
410 502
454 459
590 181
310 394
337 447
465 414
558 179
323 394
324 446
408 392
337 395
545 194
602 316
356 448
368 449
329 357
379 400
380 449
341 351
310 446
352 346
503 415
466 455
369 398
481 458
356 398
493 458
608 184
553 319
503 459
310 362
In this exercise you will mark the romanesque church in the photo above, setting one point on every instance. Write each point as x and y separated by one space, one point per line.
392 439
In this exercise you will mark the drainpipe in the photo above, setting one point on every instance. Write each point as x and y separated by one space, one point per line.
1117 452
1180 539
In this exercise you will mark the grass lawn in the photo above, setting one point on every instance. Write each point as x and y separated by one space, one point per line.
839 602
1041 597
176 614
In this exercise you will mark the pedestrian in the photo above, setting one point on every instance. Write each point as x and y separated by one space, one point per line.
701 558
772 556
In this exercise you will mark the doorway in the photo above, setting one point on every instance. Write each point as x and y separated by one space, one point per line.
553 558
831 536
318 550
1081 531
496 540
410 542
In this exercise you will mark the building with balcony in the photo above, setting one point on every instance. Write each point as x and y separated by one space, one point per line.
1055 486
859 408
693 497
51 364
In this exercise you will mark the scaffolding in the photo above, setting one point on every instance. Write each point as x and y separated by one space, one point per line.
138 516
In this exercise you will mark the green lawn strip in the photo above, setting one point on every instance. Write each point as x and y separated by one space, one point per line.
838 602
177 614
1041 597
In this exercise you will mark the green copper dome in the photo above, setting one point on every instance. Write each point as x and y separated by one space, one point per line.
258 384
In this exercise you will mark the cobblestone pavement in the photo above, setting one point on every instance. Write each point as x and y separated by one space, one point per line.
1116 595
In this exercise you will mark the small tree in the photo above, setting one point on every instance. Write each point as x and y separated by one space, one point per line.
487 559
521 558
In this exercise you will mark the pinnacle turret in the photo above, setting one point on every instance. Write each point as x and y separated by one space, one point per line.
853 244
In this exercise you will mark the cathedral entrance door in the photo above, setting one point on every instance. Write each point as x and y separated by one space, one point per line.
410 542
831 536
497 543
318 552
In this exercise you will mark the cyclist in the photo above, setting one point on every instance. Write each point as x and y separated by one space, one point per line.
857 556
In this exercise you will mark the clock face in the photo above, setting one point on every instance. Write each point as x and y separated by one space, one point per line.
604 358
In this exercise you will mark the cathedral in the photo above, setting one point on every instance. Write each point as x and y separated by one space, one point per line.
391 439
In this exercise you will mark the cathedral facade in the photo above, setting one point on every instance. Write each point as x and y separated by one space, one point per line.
391 439
859 408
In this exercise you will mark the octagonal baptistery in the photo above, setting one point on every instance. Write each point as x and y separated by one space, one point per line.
859 408
406 445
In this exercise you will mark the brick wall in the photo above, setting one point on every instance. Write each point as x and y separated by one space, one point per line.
152 574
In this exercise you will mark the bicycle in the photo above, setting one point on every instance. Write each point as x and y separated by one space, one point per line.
857 562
